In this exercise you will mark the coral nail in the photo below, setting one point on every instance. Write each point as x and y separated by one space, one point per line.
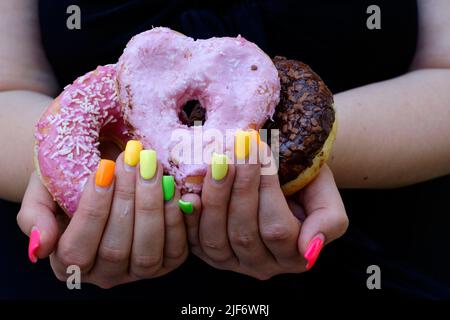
219 166
105 173
33 245
313 251
168 185
147 164
132 152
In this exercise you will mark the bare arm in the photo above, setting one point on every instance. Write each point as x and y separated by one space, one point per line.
397 132
26 84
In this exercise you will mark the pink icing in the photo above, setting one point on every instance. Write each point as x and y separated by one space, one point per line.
67 135
160 70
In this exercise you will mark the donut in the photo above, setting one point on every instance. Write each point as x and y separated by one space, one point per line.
305 118
166 83
160 70
69 132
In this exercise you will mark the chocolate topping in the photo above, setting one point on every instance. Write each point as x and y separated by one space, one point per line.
304 116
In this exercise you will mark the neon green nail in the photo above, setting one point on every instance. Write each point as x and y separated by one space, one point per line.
168 185
186 206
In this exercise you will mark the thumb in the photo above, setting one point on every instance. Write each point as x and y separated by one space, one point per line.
326 219
36 219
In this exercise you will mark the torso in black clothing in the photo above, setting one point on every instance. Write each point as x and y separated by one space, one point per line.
331 36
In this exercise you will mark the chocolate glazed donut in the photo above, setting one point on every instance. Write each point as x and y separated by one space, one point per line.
305 118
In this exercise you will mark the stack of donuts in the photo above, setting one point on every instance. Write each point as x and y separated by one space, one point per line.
166 83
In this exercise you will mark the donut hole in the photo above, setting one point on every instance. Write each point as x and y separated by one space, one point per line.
109 150
192 113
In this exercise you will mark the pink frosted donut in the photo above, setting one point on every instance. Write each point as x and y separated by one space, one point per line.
69 132
160 70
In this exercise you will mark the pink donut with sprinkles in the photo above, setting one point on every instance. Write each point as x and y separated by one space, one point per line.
70 130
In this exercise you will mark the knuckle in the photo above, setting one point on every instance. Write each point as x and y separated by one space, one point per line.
244 182
275 232
103 284
149 207
113 255
68 257
147 262
267 183
61 276
246 240
213 244
262 275
173 220
176 254
122 193
20 218
343 225
91 212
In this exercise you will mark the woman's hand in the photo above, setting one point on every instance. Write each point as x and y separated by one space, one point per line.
121 232
245 224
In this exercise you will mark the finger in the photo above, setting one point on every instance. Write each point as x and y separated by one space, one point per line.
115 246
175 244
279 228
37 218
216 194
192 220
243 229
326 219
148 239
79 243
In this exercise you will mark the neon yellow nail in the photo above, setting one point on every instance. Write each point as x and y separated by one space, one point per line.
219 166
243 141
132 151
147 164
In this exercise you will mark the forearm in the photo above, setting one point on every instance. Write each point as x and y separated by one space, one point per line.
20 111
395 132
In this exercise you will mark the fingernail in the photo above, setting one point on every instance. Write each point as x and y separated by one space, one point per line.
243 141
132 152
147 164
33 245
105 173
313 251
168 185
186 206
219 166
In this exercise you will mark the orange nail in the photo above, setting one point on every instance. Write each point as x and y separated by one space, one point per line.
105 173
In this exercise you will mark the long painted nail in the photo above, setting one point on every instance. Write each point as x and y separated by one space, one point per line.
186 206
105 173
313 251
242 146
147 164
219 166
132 152
33 245
168 185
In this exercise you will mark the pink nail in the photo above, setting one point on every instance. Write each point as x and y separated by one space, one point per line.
313 251
33 246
